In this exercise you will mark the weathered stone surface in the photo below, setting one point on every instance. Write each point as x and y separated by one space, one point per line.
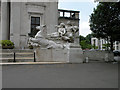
76 55
72 55
99 55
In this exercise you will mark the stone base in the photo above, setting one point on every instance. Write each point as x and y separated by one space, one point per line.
71 55
76 55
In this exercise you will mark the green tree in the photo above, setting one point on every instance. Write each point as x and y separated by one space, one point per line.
88 38
106 46
85 45
85 42
82 38
105 20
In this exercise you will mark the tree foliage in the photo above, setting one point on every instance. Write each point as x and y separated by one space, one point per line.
85 45
85 42
105 21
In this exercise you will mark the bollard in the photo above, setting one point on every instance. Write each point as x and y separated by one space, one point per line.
106 57
87 60
14 57
34 57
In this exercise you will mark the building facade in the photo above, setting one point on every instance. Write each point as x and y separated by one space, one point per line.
19 20
65 15
100 44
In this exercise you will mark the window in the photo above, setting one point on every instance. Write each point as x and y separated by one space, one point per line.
35 21
67 14
73 15
61 14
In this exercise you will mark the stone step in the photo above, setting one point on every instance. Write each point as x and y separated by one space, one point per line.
15 50
7 55
96 61
24 54
20 59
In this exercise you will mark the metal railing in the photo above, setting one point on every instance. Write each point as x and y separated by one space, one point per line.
15 57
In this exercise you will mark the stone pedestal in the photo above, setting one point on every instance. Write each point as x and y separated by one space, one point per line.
52 55
71 55
76 55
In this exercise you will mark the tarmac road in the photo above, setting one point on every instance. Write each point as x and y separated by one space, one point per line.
89 75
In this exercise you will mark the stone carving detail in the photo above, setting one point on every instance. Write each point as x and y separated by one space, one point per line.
64 33
41 41
70 32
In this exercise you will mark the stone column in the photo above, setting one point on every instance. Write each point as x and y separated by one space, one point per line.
51 16
15 23
0 24
4 20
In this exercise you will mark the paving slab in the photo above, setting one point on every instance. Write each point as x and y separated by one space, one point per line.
87 75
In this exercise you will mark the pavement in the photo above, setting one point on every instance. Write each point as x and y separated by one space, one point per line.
85 75
30 63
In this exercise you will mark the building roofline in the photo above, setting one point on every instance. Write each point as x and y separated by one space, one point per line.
68 10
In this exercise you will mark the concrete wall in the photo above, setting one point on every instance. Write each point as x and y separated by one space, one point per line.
21 13
99 55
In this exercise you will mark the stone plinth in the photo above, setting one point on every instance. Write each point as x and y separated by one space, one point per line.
76 55
71 55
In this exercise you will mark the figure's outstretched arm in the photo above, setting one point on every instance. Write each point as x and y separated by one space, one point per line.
57 26
39 27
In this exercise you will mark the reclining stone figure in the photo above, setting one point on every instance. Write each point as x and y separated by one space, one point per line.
60 32
41 41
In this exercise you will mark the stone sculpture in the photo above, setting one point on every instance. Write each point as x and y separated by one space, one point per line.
59 46
64 32
41 41
71 30
60 32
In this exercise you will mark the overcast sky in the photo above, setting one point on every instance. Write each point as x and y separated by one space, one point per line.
85 7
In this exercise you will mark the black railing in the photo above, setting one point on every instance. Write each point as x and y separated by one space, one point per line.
14 60
34 57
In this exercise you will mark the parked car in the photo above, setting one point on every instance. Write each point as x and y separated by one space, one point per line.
116 55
